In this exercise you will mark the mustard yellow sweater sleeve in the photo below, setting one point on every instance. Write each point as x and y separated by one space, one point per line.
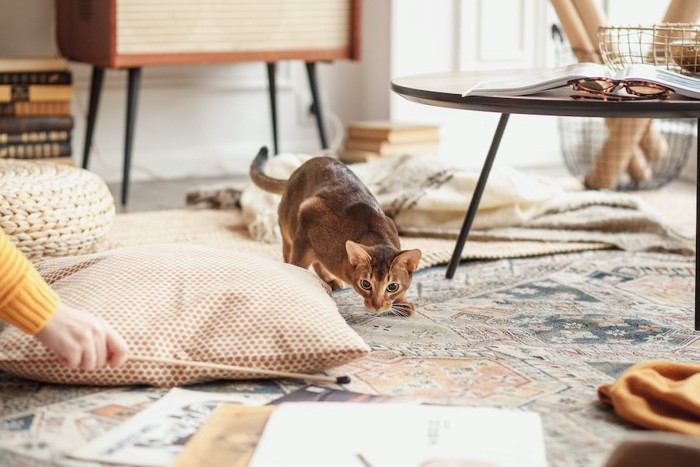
26 301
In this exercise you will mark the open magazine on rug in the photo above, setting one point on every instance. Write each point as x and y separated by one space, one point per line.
556 78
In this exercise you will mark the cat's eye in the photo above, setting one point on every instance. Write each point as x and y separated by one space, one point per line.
393 287
365 284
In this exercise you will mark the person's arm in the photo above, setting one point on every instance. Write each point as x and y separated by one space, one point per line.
79 339
26 301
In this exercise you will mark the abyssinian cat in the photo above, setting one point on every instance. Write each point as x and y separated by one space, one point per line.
330 220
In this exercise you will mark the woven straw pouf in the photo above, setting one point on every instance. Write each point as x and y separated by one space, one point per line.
51 209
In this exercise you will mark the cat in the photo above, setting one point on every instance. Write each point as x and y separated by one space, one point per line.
329 220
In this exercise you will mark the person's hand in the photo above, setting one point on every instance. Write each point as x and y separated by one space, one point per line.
81 340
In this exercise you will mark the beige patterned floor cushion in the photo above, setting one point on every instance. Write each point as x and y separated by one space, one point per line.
191 303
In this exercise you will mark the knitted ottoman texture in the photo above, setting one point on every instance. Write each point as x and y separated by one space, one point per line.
51 209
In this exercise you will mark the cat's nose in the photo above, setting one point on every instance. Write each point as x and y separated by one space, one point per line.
377 305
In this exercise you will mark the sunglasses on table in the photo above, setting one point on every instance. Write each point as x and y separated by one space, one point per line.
604 89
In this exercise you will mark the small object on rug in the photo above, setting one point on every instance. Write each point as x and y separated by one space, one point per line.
658 395
656 449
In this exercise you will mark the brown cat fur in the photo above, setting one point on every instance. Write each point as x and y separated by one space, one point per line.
331 221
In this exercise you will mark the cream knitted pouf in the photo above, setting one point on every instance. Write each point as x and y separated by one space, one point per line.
51 209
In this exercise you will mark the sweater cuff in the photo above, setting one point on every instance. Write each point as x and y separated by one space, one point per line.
32 304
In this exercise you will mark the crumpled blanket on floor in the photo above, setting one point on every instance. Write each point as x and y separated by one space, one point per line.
426 197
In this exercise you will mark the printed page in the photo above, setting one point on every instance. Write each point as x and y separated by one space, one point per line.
156 435
347 434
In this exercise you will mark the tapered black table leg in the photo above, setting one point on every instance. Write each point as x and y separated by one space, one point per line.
476 197
697 217
272 89
132 99
98 74
313 84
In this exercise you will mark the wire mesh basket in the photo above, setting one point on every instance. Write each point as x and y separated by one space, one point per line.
591 154
674 46
593 149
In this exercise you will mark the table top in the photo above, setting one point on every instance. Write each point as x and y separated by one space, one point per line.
445 90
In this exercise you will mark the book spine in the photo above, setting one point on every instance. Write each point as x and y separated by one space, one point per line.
24 109
45 77
35 137
24 65
32 124
34 151
35 92
395 137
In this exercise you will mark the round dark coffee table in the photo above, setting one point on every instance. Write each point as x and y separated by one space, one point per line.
446 89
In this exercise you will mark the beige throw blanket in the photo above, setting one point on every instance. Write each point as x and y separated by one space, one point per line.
425 197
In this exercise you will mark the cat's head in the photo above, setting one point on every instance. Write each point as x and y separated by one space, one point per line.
381 274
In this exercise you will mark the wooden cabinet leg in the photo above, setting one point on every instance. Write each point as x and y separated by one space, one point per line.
95 91
317 108
131 103
272 89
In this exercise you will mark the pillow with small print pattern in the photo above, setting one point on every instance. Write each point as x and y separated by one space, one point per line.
195 304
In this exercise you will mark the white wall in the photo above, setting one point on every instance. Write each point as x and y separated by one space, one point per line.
463 35
210 120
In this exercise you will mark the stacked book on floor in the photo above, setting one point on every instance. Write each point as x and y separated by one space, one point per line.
35 109
368 141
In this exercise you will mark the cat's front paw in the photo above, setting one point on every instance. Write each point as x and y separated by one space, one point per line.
403 309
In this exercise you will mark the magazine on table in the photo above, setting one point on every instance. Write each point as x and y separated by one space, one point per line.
557 78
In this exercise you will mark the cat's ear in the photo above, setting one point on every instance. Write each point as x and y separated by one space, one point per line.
357 254
409 259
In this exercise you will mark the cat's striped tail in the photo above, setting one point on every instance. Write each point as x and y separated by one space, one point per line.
262 181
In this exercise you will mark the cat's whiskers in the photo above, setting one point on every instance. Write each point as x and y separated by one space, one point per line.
400 309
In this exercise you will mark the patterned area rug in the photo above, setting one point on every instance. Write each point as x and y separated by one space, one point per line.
537 334
534 333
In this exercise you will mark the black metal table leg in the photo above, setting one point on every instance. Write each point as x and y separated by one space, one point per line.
476 197
697 217
272 89
131 102
95 90
313 84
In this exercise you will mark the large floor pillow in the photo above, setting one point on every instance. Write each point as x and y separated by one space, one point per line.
196 304
50 209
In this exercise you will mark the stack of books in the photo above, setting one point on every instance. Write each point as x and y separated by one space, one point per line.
35 109
374 140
